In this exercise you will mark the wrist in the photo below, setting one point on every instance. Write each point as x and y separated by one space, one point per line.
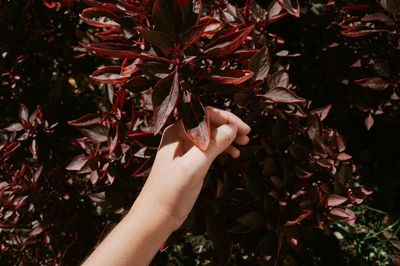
148 208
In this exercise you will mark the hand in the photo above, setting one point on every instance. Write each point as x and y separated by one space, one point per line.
179 168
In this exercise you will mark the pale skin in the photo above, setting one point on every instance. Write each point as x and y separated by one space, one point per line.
170 191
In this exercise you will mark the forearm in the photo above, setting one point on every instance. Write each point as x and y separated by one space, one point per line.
137 238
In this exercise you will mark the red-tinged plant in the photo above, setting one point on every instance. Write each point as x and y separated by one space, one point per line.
166 60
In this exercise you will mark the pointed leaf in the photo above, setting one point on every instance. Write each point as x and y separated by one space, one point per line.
322 112
167 17
375 83
195 121
291 6
212 28
278 79
120 50
191 36
227 43
99 17
109 75
23 112
164 98
229 76
191 12
86 120
282 95
97 133
335 200
158 39
14 127
260 64
77 163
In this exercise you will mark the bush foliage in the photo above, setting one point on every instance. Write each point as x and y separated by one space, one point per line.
94 84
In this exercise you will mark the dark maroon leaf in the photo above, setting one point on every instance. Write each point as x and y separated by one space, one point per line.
374 83
229 76
217 233
167 17
191 36
282 95
260 64
158 39
130 66
137 84
97 133
278 79
85 120
228 43
360 30
393 6
109 75
164 98
99 17
195 121
191 12
291 6
120 50
77 163
252 220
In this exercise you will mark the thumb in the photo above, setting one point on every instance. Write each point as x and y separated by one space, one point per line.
221 139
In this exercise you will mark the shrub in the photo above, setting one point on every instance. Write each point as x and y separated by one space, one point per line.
164 60
294 176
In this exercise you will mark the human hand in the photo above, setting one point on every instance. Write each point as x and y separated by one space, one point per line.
179 168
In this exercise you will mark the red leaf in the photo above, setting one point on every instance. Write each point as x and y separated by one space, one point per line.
167 17
278 79
164 98
360 30
275 12
282 95
228 43
191 36
374 83
77 163
85 120
335 200
99 17
195 121
291 8
158 39
120 50
109 75
260 64
229 76
213 26
130 66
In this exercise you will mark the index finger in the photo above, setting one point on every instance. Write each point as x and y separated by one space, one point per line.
220 117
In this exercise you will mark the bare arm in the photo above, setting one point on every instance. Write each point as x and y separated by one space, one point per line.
169 192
